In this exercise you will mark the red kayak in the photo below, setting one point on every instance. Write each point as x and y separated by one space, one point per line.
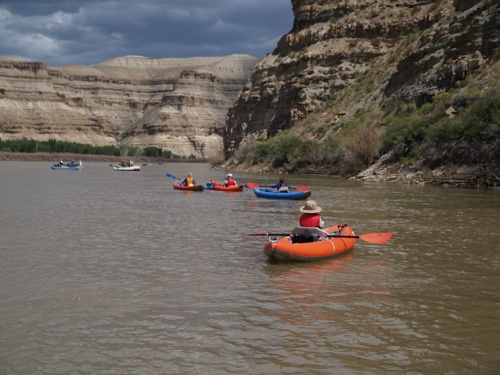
217 186
178 186
227 188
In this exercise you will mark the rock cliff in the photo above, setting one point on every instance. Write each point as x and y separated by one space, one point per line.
174 104
419 48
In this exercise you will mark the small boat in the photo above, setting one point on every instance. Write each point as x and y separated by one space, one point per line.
273 194
311 244
71 168
131 169
179 186
225 188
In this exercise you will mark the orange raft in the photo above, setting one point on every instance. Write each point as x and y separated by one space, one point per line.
293 247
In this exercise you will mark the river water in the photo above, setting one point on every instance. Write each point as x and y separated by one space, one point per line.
106 272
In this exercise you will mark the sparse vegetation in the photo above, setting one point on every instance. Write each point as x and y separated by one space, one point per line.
361 144
152 151
456 128
25 145
429 133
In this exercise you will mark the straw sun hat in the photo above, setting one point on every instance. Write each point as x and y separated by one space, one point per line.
311 208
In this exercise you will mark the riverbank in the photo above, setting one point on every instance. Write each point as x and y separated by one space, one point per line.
54 157
483 176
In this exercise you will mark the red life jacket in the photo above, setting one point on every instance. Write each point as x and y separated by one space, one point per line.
310 220
230 181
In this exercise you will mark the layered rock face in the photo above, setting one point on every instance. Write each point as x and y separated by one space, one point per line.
178 105
334 42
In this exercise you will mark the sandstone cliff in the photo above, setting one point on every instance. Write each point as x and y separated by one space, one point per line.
341 56
174 104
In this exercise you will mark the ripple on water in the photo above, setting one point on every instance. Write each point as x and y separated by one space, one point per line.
108 272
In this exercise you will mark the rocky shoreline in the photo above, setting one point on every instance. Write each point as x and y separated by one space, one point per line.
466 177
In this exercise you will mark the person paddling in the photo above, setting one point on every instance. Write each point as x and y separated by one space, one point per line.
310 215
311 224
189 180
282 186
230 181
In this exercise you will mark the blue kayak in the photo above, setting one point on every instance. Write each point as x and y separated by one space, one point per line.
71 168
273 194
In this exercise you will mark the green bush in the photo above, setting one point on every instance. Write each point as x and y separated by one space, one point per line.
482 120
479 121
152 152
361 144
410 128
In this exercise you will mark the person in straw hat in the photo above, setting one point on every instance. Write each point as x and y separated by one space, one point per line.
310 215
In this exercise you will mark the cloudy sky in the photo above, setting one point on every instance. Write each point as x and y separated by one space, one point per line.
61 32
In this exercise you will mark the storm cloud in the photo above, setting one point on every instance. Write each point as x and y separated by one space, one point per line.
62 32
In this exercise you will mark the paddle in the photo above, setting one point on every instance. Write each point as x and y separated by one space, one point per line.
375 238
251 185
171 176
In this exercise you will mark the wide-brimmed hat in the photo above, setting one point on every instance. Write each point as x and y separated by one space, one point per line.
229 175
311 208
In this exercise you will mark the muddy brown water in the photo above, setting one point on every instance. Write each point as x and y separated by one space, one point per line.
106 272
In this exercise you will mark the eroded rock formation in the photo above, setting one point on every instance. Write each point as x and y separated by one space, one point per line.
178 105
426 47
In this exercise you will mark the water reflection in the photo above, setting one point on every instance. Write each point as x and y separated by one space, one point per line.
311 286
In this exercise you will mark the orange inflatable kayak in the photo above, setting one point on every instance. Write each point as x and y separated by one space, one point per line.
310 244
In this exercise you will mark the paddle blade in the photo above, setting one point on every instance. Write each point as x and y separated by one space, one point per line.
376 238
171 176
302 188
251 185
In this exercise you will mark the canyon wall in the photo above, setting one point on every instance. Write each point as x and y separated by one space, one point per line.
178 105
420 47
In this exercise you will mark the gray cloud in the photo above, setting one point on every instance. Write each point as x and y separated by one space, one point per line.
61 32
